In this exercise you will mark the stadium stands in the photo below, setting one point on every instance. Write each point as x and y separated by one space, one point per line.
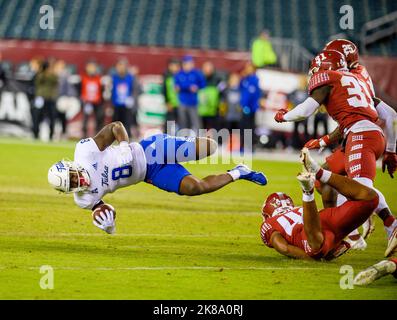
223 24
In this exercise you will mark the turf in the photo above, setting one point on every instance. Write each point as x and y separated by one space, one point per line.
166 246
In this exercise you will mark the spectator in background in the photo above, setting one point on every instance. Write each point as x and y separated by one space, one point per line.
46 93
188 82
233 114
3 75
122 94
262 53
136 92
232 98
91 97
170 94
66 90
209 96
320 118
296 97
249 100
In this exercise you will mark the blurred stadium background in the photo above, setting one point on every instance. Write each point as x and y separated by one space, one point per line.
148 34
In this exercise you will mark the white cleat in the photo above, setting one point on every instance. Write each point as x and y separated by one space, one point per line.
392 243
374 272
306 179
368 227
308 162
359 244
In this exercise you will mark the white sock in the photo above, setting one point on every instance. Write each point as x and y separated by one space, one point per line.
235 174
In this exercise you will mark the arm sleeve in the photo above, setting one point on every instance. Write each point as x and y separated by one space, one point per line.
303 110
389 115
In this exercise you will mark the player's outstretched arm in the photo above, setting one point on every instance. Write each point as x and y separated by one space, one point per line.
114 131
306 108
281 246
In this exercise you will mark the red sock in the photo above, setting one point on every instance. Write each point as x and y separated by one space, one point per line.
388 221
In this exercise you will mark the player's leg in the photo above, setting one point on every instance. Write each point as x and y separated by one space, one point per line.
363 199
363 150
379 270
311 218
193 186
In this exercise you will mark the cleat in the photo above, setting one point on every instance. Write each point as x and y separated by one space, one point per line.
374 272
368 227
308 162
359 244
306 180
392 243
246 173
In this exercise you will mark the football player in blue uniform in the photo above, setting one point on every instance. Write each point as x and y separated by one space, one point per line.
99 167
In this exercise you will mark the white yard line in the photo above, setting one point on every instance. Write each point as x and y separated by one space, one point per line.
137 235
152 268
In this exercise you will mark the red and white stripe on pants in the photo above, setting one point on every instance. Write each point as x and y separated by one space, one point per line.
361 152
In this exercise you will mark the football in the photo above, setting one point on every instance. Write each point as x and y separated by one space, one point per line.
102 208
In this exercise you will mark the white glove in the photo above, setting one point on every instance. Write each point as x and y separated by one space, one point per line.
125 153
105 221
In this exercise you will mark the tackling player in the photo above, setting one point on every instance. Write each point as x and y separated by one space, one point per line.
350 104
335 162
100 167
306 233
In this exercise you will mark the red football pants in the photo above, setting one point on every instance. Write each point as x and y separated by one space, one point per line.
338 222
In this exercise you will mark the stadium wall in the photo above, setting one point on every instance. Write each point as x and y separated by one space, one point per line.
151 60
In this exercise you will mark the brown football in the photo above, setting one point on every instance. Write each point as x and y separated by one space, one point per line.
102 208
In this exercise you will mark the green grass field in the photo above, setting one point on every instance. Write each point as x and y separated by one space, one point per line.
166 246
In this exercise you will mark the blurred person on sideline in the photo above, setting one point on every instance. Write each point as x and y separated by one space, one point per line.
188 82
296 97
46 93
3 74
66 90
170 94
233 114
136 92
91 97
209 96
122 94
249 100
262 53
320 118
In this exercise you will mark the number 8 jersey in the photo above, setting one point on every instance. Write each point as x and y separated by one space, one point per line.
349 100
106 174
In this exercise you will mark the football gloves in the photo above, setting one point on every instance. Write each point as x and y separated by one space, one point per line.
389 161
105 221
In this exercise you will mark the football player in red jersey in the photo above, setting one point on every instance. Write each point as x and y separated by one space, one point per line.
350 104
335 161
306 233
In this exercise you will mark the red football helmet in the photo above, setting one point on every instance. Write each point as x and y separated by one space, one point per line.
347 48
275 204
328 60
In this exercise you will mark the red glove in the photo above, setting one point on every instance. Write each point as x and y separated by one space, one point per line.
318 143
279 117
390 162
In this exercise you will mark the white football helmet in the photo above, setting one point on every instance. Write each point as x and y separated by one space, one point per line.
59 176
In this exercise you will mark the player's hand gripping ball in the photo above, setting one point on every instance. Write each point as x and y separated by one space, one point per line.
104 217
